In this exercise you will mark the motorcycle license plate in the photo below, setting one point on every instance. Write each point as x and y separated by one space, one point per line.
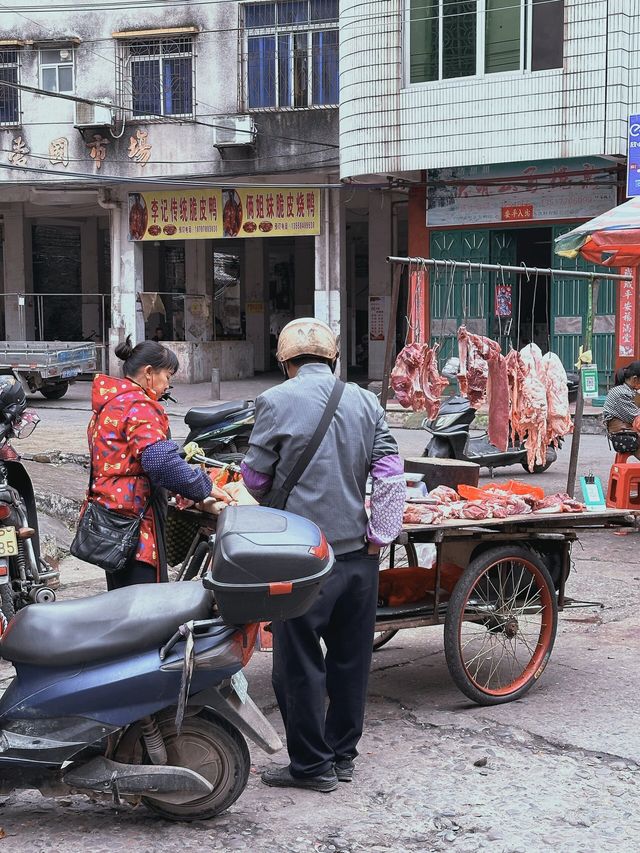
240 685
8 542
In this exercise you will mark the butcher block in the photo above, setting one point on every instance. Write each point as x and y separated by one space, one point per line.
443 472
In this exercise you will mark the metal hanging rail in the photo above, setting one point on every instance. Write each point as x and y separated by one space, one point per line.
521 270
593 278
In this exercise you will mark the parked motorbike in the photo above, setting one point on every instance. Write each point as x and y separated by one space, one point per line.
138 694
24 577
450 439
222 431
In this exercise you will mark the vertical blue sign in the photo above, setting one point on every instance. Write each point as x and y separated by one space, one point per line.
633 157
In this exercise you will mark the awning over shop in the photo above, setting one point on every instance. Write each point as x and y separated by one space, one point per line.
611 239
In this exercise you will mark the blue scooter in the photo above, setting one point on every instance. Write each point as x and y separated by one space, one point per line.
92 706
138 694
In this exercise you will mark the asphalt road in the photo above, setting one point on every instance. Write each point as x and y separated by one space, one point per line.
562 770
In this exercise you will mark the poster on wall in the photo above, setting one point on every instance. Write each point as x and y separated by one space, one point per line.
376 318
504 300
627 293
195 214
519 192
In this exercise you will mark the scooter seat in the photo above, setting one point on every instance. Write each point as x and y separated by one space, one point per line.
203 416
110 625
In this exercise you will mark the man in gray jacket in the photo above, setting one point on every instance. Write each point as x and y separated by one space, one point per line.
322 745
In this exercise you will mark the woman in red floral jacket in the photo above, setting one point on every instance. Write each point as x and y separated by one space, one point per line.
133 461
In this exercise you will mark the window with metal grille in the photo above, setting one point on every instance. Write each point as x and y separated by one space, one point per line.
464 38
291 54
56 69
9 96
161 77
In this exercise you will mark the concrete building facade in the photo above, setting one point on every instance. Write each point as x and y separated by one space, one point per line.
101 106
507 122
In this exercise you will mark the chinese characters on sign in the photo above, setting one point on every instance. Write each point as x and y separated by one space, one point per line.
376 318
194 214
515 192
627 315
97 149
139 148
18 157
59 151
514 212
417 307
633 158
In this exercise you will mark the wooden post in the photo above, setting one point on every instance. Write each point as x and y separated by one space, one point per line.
592 304
391 334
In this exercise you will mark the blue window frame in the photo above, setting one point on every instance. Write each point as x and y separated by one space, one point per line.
9 95
292 54
161 73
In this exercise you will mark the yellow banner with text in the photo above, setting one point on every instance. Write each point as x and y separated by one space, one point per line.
206 214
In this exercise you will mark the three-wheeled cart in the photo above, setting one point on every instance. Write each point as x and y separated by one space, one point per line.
497 587
47 366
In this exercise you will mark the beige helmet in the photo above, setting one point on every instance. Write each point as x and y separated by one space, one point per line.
307 336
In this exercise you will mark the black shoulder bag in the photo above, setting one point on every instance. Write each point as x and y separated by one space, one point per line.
104 537
277 498
624 441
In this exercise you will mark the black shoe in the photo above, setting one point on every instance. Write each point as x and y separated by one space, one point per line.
344 770
280 777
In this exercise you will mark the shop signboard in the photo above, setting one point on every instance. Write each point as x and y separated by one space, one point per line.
546 190
200 214
627 294
633 157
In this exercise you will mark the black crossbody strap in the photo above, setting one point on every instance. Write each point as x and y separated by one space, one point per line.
316 439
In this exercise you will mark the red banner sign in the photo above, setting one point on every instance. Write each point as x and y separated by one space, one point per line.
515 212
627 295
417 308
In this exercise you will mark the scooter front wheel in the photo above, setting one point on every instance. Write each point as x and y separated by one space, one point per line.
213 748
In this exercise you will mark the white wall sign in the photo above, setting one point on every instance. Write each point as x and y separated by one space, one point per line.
519 192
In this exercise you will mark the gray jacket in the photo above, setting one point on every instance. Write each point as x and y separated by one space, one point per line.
331 492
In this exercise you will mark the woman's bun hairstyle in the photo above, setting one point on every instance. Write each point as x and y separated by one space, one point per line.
124 351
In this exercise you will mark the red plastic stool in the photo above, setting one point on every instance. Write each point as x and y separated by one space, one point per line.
623 491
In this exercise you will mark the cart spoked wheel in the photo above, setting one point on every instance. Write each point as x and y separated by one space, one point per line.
500 625
394 556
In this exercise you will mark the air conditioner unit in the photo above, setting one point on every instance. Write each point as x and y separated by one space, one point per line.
93 115
234 131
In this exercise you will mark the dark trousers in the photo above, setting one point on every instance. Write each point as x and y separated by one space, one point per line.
134 572
343 616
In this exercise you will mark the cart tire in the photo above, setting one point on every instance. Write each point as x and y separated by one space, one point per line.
55 392
381 638
501 651
387 557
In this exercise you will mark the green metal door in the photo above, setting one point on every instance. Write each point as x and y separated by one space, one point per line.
569 301
468 296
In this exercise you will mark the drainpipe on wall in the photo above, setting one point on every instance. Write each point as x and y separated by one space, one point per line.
117 325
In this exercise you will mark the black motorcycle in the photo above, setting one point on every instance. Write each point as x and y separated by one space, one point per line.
222 432
451 439
24 577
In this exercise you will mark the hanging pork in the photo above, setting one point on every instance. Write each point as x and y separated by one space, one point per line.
559 421
416 381
532 406
483 374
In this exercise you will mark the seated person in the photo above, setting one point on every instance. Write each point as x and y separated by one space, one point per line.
621 410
